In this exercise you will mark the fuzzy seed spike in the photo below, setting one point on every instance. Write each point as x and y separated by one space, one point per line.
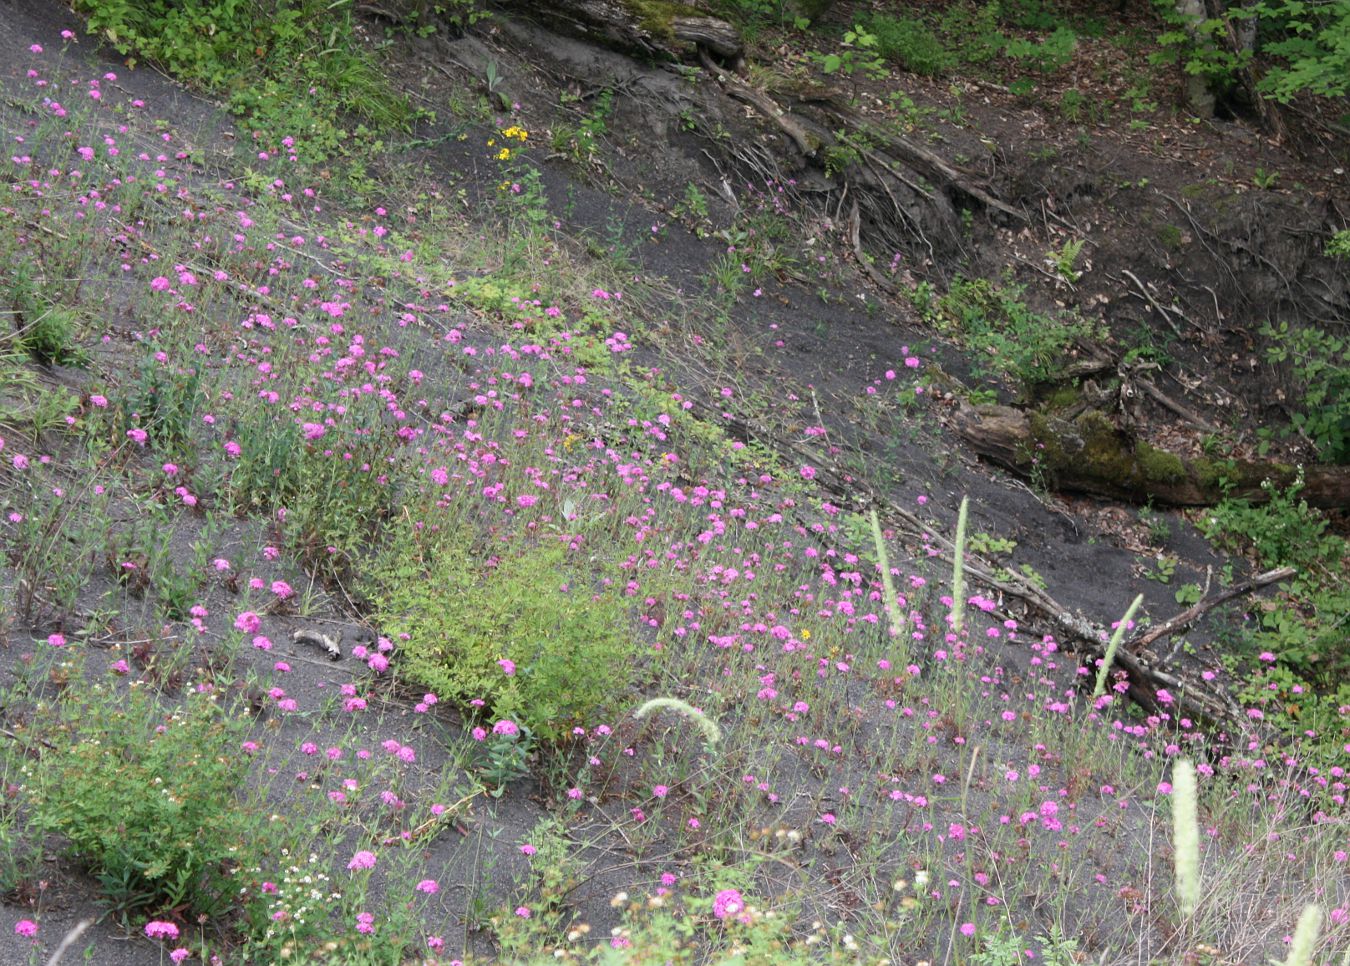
959 568
1116 638
1186 836
1305 936
711 733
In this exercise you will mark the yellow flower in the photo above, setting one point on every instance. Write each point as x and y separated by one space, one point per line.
806 634
503 154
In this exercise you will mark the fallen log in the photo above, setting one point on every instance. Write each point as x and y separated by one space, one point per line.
654 28
1090 454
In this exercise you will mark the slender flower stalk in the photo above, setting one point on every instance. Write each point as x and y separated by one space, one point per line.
1116 638
1186 836
892 600
711 733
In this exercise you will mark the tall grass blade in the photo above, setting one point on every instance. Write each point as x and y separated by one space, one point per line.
1116 638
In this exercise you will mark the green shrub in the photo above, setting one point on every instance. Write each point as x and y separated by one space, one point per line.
1304 47
456 614
148 799
1045 56
1284 531
911 45
259 54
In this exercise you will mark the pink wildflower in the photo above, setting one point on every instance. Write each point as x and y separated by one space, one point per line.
728 902
362 860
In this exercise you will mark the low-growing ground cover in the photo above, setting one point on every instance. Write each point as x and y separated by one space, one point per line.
297 407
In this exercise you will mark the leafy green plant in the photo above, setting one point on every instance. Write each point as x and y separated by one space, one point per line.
1047 55
1304 47
840 156
972 32
857 53
1339 245
1001 947
989 545
1164 569
1283 531
162 400
1188 594
579 142
1305 625
1073 104
1200 46
505 756
694 208
1159 529
1312 42
1320 363
567 648
1064 260
17 858
1264 179
147 797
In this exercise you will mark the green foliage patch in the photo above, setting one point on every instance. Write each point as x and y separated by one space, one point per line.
1025 345
1320 363
456 612
1302 630
260 55
141 796
911 45
1302 48
45 329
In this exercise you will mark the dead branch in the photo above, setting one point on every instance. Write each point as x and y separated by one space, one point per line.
320 640
1197 610
1196 420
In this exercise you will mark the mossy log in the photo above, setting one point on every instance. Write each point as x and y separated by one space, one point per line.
655 28
1090 454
